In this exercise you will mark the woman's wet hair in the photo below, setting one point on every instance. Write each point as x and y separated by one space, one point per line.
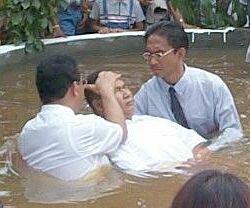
213 189
172 31
54 76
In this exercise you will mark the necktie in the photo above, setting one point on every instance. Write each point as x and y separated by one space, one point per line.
176 109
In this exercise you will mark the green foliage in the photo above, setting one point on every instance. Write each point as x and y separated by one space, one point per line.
27 21
189 10
241 11
212 16
207 15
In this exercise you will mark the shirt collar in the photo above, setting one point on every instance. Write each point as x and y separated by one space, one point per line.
57 107
120 1
180 86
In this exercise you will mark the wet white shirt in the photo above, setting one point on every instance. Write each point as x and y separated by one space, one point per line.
66 145
155 144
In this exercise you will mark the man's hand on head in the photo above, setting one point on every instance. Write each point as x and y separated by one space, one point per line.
105 83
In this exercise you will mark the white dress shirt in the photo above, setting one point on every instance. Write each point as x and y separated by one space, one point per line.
154 144
66 145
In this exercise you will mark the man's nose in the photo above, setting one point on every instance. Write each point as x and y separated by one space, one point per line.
152 60
126 93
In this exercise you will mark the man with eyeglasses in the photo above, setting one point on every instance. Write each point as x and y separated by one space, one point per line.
61 141
190 96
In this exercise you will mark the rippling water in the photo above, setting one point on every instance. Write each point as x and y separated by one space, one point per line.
19 102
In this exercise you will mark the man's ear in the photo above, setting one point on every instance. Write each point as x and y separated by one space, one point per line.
75 88
97 107
181 52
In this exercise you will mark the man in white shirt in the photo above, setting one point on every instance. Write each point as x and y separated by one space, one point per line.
60 141
154 144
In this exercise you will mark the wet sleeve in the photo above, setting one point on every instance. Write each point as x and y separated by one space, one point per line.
226 116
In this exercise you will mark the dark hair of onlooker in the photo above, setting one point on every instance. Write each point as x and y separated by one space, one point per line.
213 189
90 95
173 32
54 76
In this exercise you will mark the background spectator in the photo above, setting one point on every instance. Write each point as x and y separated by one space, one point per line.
116 16
157 11
85 25
213 189
68 19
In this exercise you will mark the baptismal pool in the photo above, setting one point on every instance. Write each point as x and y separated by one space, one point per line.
110 188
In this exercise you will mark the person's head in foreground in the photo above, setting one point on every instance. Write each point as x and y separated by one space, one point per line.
213 189
123 95
58 81
166 47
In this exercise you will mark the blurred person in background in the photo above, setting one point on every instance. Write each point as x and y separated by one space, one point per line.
213 189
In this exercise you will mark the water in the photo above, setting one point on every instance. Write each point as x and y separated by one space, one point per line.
19 102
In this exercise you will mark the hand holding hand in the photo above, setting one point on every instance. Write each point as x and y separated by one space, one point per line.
57 32
116 30
104 30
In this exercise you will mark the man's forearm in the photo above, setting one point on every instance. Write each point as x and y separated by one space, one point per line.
114 113
138 27
105 86
95 25
95 28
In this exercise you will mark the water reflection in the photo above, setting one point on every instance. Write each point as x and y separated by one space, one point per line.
19 102
42 188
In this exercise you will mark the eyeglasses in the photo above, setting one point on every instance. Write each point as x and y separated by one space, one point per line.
82 80
158 55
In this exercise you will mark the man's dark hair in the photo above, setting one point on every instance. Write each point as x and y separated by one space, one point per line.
54 76
173 32
213 188
90 95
